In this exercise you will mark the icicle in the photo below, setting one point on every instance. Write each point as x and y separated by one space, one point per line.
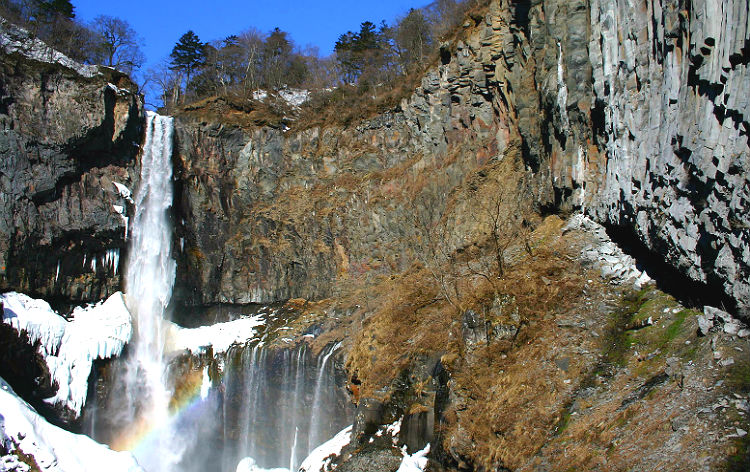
57 272
562 90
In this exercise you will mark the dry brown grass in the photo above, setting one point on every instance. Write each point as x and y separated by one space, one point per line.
233 110
512 389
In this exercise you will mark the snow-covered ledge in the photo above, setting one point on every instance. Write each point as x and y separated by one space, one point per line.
69 347
14 39
53 448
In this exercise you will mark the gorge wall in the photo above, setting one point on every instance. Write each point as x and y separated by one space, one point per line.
69 133
635 112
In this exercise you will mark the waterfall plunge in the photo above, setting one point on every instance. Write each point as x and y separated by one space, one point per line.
271 405
149 280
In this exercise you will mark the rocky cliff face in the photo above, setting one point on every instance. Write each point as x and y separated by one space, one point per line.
69 134
644 123
632 111
266 215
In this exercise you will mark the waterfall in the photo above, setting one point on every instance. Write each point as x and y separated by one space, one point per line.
252 403
324 378
148 282
299 384
275 400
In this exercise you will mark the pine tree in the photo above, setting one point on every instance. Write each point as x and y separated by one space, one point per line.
361 54
188 54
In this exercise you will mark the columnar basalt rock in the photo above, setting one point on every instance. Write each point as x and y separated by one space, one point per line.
70 133
634 112
266 215
638 110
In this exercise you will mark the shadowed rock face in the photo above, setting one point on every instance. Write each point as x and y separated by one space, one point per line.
633 111
65 139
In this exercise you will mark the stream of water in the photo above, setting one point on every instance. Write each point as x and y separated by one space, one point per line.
272 405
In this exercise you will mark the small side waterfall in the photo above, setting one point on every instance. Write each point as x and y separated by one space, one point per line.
279 404
324 378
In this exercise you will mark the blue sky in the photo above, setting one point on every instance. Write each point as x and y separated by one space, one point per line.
160 23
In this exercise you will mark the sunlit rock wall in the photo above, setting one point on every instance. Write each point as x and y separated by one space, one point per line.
67 133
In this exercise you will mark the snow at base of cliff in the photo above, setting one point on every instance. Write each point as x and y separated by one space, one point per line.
320 458
53 448
415 462
69 347
248 464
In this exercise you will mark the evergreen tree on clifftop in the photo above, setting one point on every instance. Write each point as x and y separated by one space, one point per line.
188 54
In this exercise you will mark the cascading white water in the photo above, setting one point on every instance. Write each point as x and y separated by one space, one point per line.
148 281
274 400
316 428
273 406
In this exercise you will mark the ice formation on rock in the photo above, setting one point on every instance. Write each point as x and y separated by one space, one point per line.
69 347
219 336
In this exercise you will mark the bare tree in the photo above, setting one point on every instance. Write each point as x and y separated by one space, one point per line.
433 247
413 39
166 83
118 43
250 44
444 15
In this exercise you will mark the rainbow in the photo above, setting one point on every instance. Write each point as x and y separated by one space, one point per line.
145 433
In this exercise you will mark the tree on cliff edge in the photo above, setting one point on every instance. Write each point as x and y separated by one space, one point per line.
117 43
188 54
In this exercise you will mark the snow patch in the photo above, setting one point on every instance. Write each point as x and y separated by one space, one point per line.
12 463
220 336
53 448
614 264
17 40
320 458
119 91
294 97
123 191
415 462
69 347
260 95
248 464
393 429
